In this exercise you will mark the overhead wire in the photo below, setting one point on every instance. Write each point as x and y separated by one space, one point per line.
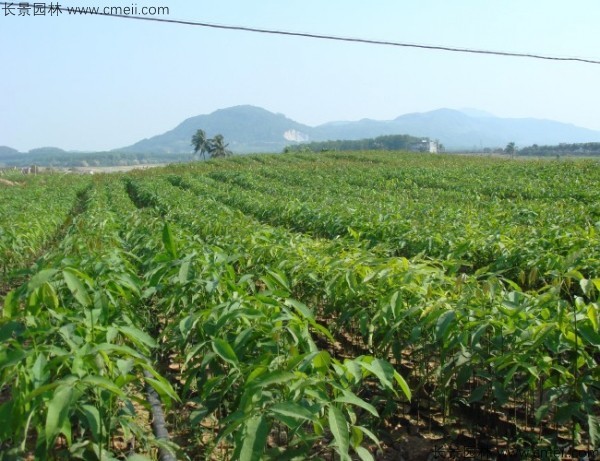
335 37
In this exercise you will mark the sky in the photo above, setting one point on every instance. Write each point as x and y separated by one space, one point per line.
98 83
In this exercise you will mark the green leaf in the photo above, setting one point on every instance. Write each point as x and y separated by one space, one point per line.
353 370
6 414
339 429
49 296
403 385
126 351
111 334
281 279
130 282
322 360
500 393
541 412
68 381
586 286
565 412
274 377
589 335
11 305
364 454
137 336
92 416
594 430
125 366
443 323
382 369
38 371
10 358
353 399
11 329
163 389
225 351
300 307
356 437
73 279
255 439
592 313
575 274
293 410
370 434
40 278
57 419
169 241
99 381
184 271
478 393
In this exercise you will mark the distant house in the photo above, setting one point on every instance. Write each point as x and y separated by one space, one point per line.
426 145
33 169
430 146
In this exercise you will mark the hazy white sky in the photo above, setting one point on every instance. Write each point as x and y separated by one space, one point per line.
96 83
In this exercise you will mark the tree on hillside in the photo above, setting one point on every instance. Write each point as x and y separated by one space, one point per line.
201 143
218 148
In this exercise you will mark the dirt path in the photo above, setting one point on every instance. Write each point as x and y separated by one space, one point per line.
6 182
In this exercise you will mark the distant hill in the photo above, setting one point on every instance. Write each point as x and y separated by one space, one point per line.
457 130
245 128
6 151
253 129
582 149
47 151
54 157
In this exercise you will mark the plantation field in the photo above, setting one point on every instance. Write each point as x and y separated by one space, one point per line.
302 306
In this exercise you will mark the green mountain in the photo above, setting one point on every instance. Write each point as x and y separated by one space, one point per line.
6 151
47 151
253 129
245 128
459 131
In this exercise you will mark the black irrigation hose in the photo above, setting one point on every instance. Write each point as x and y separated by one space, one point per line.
159 426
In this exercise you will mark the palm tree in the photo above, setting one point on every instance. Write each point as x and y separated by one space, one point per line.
510 149
201 143
218 148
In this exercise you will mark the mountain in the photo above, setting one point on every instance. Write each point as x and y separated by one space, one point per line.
245 128
6 151
253 129
471 112
458 130
47 151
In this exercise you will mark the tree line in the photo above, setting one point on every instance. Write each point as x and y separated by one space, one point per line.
588 148
388 142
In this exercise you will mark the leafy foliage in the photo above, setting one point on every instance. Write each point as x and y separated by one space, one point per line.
285 305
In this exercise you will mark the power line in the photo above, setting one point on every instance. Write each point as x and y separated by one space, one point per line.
335 38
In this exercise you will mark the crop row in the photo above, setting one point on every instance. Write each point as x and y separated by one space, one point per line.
526 240
30 216
264 342
73 347
249 354
127 298
487 343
